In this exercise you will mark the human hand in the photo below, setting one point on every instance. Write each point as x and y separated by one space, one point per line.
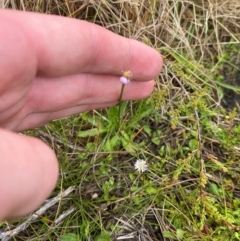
52 67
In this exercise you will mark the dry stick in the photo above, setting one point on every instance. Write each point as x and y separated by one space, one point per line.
64 215
57 139
5 236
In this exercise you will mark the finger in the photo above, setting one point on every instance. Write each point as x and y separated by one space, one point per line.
18 63
66 46
59 105
28 173
37 119
85 89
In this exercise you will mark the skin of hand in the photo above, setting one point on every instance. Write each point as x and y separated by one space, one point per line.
52 67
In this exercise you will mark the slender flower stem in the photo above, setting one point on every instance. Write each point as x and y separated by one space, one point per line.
125 79
120 106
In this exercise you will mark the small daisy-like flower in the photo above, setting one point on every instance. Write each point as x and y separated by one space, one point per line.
141 165
125 79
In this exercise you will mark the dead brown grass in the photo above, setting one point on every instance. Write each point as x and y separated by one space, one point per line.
182 24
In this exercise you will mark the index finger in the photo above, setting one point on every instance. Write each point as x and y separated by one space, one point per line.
65 46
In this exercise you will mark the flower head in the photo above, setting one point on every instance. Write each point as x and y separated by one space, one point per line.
125 79
141 165
127 74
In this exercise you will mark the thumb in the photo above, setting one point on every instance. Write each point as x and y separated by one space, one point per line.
28 173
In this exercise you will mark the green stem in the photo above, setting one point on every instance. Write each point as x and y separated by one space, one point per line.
120 106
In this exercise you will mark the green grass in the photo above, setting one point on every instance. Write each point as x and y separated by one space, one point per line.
190 142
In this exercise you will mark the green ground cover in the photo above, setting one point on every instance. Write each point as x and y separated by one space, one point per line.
188 132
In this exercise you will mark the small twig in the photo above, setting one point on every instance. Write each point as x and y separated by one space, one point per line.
5 236
58 140
64 215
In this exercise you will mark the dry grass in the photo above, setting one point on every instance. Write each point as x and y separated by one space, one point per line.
177 24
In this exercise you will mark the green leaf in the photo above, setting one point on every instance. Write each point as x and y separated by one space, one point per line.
112 144
107 187
156 140
228 86
134 188
90 146
193 144
137 200
137 117
104 236
69 237
151 190
130 147
147 129
215 190
92 132
113 115
180 234
168 234
162 151
95 121
127 143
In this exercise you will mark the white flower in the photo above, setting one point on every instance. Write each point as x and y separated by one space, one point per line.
141 165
